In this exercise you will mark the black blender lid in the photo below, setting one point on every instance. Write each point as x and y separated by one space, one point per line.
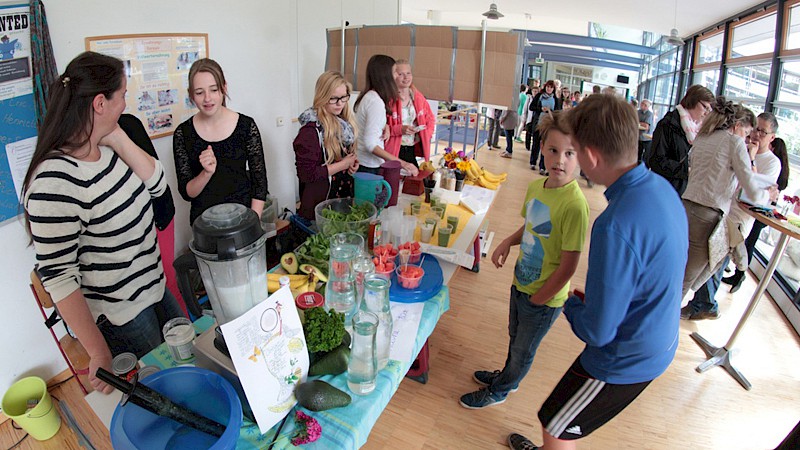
223 229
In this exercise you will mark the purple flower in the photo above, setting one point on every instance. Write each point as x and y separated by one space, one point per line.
461 154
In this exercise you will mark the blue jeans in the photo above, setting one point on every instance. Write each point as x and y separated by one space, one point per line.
510 141
527 325
143 333
703 299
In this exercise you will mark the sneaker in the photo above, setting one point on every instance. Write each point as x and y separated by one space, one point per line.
485 378
689 313
480 399
497 147
518 140
533 167
520 442
542 172
505 155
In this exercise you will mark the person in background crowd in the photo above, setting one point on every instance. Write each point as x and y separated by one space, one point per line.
628 317
610 90
566 98
576 98
523 99
219 157
412 122
719 159
541 106
529 118
674 135
645 128
509 120
87 197
764 135
373 106
493 133
596 89
324 154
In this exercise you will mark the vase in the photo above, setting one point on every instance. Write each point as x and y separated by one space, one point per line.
459 184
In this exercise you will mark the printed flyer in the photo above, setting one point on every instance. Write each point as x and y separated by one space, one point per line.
157 67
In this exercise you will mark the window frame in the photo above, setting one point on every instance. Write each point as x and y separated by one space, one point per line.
729 58
696 65
787 10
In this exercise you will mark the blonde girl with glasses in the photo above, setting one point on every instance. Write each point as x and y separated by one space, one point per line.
324 153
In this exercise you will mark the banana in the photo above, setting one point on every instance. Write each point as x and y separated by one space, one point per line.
487 184
295 281
494 178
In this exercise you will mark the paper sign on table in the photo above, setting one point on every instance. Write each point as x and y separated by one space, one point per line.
269 351
405 324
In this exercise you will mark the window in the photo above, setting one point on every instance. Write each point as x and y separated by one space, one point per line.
709 49
748 82
792 41
789 89
789 130
664 89
754 37
707 78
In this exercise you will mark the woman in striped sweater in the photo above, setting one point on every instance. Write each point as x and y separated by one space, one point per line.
87 197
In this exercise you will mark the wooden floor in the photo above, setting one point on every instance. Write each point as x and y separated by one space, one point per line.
681 409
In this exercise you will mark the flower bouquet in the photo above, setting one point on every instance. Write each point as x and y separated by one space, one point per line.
458 163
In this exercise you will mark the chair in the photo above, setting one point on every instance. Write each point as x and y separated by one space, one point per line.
71 349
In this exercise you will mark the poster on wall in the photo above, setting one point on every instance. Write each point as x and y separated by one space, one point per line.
17 115
157 67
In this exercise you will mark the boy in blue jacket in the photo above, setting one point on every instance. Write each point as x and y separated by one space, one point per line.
631 310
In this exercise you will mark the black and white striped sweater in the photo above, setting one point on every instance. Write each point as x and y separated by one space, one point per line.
92 226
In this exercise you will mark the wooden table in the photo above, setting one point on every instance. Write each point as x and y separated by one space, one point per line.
721 356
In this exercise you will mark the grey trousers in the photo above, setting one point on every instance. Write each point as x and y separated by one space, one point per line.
702 221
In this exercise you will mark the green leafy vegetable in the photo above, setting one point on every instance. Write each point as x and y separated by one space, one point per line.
338 222
324 330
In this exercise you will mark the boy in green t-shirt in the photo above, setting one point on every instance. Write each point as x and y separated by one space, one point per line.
551 240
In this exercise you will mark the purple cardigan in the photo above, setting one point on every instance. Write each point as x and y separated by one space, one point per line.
311 169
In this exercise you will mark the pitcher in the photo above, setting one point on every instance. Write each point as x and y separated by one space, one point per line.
371 188
390 170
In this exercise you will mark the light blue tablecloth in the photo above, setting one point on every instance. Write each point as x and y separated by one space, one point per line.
342 428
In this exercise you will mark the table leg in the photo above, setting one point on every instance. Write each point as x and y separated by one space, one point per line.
721 356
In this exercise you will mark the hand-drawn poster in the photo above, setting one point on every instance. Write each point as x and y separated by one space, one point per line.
157 66
268 349
17 115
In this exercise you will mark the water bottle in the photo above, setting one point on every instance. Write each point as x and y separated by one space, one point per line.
376 301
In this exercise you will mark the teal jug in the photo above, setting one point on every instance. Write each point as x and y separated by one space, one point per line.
371 188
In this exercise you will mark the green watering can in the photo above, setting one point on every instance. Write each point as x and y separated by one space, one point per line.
371 188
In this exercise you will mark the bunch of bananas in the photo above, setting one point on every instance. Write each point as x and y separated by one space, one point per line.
479 176
297 283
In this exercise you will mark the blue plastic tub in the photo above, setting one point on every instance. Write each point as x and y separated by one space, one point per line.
201 390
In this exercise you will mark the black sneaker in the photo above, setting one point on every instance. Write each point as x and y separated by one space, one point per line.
689 313
479 399
520 442
485 378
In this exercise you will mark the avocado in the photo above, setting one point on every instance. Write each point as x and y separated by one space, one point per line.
289 262
318 395
332 363
310 269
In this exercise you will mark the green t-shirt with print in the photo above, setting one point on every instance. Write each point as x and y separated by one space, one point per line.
555 221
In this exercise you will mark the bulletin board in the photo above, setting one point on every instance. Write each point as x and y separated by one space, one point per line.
157 67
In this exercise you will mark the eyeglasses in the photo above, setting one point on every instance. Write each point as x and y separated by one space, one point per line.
706 106
336 100
763 132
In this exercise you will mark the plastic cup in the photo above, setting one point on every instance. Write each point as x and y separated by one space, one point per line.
453 221
439 211
426 231
415 208
444 235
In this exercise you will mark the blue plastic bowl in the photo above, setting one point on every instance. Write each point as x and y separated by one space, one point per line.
201 390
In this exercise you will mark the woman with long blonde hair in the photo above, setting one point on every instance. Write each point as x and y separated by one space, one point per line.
324 153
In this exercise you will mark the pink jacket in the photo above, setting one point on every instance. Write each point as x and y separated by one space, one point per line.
424 117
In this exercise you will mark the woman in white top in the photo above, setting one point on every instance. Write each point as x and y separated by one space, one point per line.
372 107
719 158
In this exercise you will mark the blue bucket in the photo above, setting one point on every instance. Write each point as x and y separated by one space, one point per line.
200 390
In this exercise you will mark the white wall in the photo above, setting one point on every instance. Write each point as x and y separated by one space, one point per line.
272 53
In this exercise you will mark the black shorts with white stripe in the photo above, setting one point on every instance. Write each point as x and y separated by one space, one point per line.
580 404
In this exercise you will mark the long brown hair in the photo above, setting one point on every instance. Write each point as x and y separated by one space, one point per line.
209 66
332 137
380 78
70 121
779 149
725 115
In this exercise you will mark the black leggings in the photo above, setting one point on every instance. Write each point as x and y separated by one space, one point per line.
408 154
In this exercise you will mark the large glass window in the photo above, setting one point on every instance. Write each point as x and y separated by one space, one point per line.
707 78
663 92
789 89
792 41
751 82
755 37
709 49
789 130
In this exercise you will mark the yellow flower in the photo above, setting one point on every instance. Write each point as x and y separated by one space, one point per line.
448 157
463 166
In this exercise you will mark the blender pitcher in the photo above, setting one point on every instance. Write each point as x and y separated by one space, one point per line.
229 245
